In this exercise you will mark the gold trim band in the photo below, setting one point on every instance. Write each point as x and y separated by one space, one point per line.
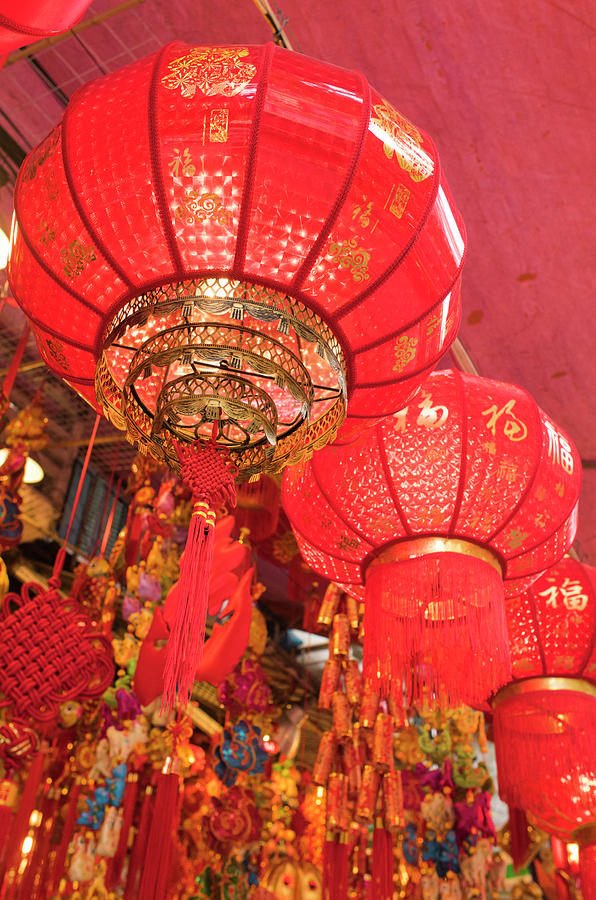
544 683
424 546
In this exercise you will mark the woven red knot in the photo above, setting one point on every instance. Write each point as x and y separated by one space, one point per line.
49 653
209 472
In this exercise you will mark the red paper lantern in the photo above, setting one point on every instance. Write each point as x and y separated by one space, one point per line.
32 20
545 719
238 235
432 511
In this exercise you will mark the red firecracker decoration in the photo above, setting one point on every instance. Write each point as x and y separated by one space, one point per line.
466 492
545 719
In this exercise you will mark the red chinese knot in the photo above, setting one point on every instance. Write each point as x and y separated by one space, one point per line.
468 491
49 653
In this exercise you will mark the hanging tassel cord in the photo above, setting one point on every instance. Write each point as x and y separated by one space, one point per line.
137 854
67 833
156 868
128 808
209 473
26 806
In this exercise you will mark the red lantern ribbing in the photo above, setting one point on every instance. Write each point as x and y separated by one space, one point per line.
469 490
545 719
241 235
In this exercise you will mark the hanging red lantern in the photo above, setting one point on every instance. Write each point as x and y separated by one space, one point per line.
545 719
467 491
226 244
24 23
238 234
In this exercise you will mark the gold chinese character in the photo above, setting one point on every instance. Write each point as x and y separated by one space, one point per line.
559 449
507 471
362 211
182 162
431 416
218 126
514 429
516 538
490 447
398 204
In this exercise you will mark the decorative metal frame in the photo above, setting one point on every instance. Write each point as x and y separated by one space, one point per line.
223 358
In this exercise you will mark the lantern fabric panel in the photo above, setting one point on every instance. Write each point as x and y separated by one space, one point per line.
265 169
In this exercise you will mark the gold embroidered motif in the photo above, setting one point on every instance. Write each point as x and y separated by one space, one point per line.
405 351
348 255
38 157
182 163
75 257
404 140
47 234
56 351
398 204
211 70
218 126
199 208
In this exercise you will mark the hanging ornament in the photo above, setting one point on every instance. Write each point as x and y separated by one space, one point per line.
49 653
467 491
545 719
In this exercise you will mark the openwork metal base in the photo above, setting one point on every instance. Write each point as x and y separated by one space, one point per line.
180 363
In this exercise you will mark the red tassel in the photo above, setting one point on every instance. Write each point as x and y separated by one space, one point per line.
26 806
128 808
341 874
328 865
138 849
154 882
587 869
210 475
67 832
538 735
440 617
8 791
34 883
520 838
382 864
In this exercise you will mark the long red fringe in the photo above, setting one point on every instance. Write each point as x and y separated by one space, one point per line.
335 869
382 864
26 806
67 832
538 737
435 626
137 854
185 645
154 881
587 869
128 808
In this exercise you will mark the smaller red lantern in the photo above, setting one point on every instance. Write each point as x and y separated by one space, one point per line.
545 720
468 491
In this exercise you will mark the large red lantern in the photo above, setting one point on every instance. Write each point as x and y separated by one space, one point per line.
545 719
32 20
228 244
241 236
469 490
